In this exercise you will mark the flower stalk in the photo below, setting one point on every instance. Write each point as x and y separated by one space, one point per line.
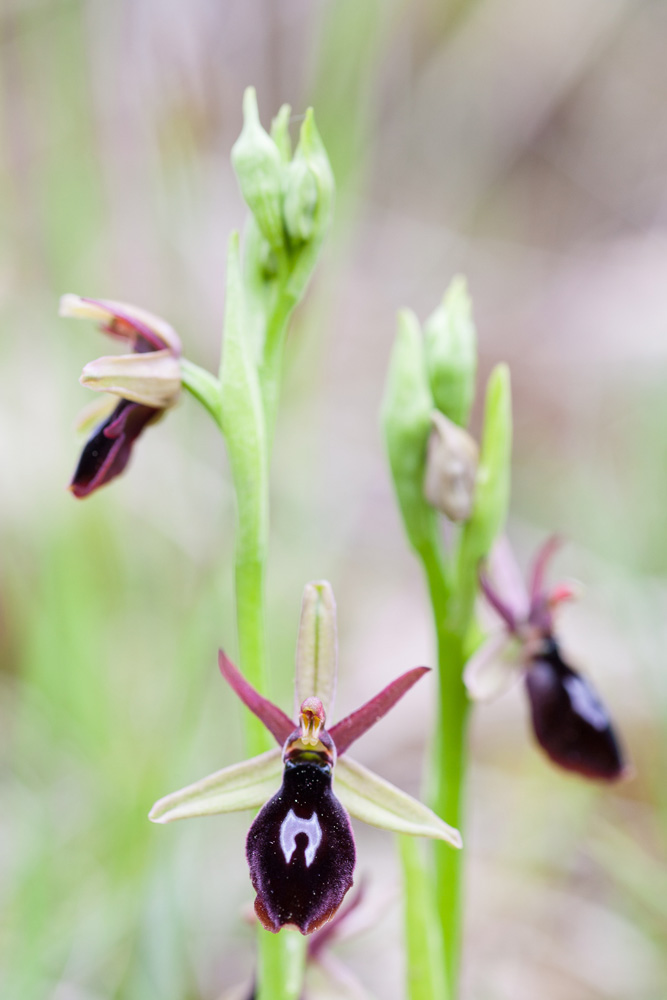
431 373
259 303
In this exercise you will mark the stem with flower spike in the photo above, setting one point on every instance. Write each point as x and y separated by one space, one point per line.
291 202
452 584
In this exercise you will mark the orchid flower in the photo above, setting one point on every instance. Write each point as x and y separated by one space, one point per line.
145 383
570 722
300 847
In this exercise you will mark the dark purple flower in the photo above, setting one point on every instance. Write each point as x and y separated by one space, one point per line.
145 382
107 452
300 847
570 722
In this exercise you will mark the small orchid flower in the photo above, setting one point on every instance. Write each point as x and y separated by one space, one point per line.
570 722
145 383
300 847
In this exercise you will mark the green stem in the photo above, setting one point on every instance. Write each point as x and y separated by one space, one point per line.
449 751
282 961
204 386
425 957
250 573
450 767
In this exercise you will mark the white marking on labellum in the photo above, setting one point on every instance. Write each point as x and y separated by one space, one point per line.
585 703
291 827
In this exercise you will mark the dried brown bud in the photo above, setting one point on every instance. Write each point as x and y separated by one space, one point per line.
451 468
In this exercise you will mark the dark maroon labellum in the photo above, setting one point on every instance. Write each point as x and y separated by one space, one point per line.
570 722
107 451
300 851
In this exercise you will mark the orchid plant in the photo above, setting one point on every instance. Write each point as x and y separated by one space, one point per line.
300 848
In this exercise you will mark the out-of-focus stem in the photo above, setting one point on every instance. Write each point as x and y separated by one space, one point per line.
449 767
271 366
282 960
451 619
425 959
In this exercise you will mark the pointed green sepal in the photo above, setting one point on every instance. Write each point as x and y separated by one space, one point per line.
247 785
317 647
370 798
451 353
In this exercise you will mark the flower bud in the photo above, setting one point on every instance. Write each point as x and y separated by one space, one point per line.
310 208
451 353
300 201
317 648
259 169
451 469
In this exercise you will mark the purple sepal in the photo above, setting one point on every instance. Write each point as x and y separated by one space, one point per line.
300 851
349 729
571 724
276 721
107 452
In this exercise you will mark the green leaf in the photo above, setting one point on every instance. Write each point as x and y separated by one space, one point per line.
242 414
245 435
370 798
451 353
491 497
493 475
406 419
247 785
317 647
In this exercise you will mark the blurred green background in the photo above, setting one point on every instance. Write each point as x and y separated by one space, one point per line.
521 144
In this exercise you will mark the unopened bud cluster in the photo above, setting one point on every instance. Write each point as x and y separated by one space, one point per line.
426 410
290 199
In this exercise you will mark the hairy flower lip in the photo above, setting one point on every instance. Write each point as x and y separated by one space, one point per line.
107 451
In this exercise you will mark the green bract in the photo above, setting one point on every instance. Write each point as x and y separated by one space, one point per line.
406 418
